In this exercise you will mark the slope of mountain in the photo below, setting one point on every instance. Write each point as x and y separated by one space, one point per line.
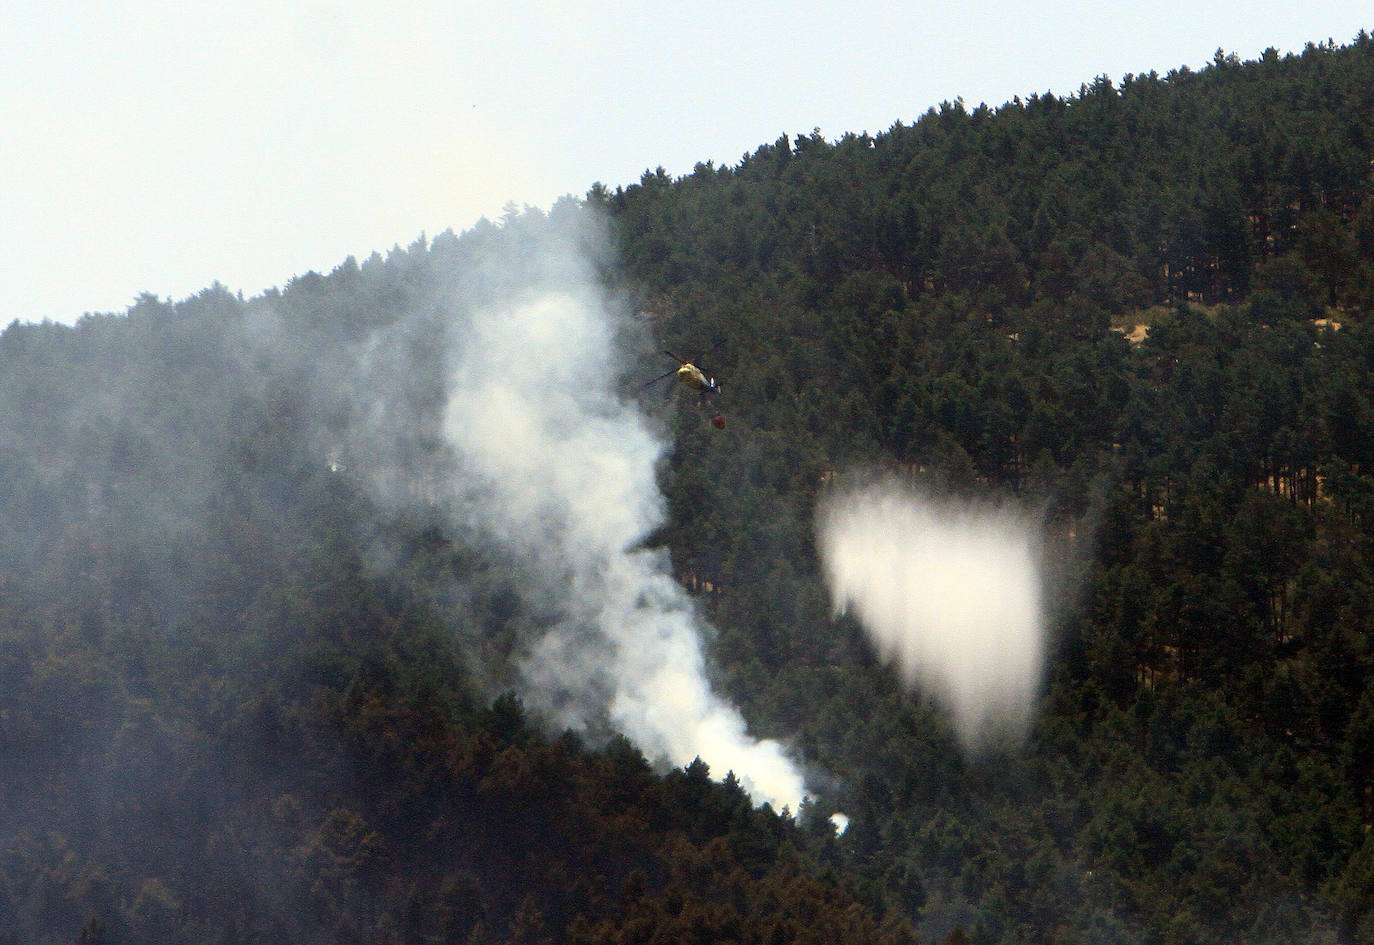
255 661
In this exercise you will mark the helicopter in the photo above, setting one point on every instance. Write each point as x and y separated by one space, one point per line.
693 378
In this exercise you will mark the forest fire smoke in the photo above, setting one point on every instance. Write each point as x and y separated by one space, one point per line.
949 591
560 469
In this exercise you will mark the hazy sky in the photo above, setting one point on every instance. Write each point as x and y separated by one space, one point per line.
160 146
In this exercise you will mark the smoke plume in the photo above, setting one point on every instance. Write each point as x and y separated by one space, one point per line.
949 591
557 468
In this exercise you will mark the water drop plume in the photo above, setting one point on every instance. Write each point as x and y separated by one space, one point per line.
950 591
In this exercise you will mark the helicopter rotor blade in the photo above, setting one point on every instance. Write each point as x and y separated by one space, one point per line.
660 377
675 357
706 354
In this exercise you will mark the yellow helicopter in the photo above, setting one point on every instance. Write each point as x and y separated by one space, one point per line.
694 379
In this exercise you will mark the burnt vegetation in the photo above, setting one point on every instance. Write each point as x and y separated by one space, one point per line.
226 716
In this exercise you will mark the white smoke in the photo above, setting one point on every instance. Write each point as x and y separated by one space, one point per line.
559 468
950 591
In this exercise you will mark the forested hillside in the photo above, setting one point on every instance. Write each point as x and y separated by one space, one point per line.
251 677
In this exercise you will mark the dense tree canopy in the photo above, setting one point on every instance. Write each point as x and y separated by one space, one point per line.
243 697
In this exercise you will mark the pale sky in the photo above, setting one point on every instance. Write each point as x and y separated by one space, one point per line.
162 145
